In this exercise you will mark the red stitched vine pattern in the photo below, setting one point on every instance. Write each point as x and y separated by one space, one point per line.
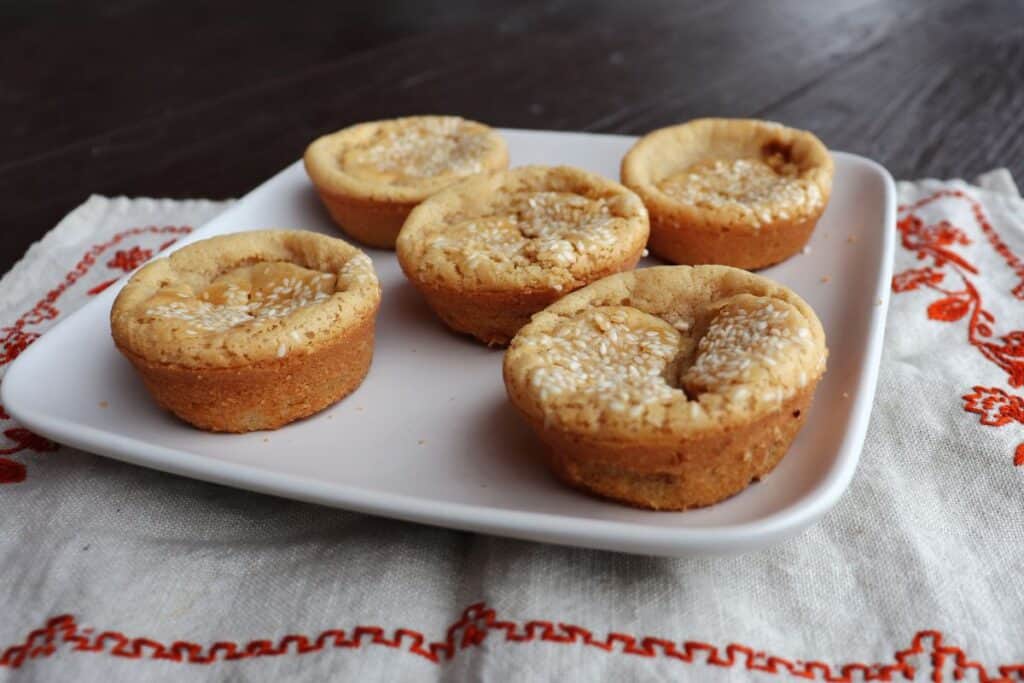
961 299
18 336
479 623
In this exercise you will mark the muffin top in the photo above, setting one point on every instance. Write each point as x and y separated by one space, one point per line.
667 351
403 159
245 298
743 172
532 227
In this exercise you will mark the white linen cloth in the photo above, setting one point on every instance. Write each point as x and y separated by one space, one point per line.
113 572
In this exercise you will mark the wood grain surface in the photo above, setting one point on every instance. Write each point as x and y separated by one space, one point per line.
198 99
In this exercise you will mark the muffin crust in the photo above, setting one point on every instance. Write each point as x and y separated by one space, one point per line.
669 387
250 330
494 249
736 192
371 175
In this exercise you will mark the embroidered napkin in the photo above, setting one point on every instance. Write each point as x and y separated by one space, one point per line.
114 572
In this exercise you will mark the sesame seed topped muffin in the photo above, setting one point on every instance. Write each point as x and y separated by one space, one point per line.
736 192
668 387
371 175
250 330
491 251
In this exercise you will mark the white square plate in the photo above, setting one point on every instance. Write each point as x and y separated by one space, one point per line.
430 437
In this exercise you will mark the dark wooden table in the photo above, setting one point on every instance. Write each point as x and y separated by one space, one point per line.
198 99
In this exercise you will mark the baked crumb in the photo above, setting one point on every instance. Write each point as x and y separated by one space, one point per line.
852 239
825 279
104 404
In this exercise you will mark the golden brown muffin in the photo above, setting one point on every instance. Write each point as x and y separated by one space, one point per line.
370 176
736 192
670 387
251 330
493 250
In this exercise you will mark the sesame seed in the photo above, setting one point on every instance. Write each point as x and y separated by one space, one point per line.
759 190
421 148
741 343
267 295
601 357
553 229
617 360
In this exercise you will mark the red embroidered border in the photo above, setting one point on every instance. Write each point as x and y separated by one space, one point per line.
477 623
937 242
16 338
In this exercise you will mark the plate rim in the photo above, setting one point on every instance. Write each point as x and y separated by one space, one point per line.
537 526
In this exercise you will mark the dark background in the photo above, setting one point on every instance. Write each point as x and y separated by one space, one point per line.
186 99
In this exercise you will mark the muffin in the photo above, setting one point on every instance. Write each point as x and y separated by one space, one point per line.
735 192
251 330
493 250
370 176
670 387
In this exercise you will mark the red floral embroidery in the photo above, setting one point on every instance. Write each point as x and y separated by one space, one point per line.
93 291
14 342
129 260
17 337
936 242
950 309
915 277
995 406
11 472
26 440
